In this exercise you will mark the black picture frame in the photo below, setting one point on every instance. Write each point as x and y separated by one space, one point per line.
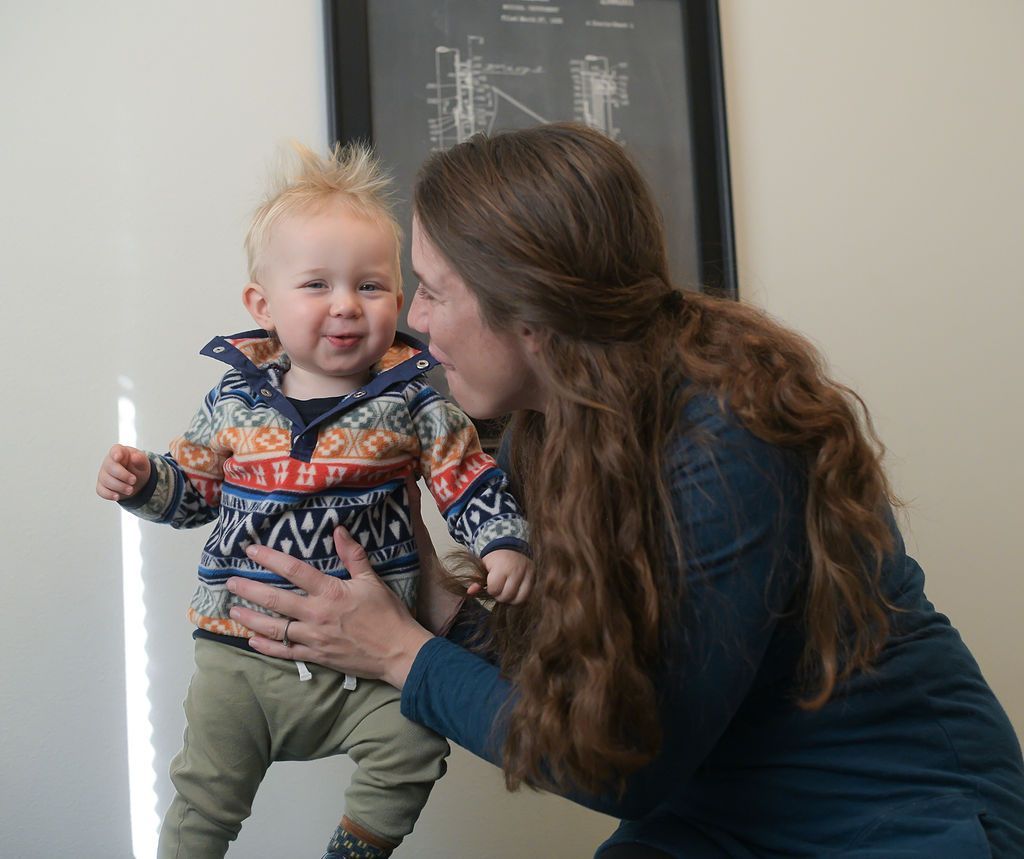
673 55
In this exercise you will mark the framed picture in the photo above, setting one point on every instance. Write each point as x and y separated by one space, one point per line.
411 76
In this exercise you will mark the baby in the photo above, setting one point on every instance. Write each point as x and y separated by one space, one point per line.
321 417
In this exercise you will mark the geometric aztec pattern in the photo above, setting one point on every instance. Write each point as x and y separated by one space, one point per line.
237 464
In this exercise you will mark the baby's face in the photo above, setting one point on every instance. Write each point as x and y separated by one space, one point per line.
332 294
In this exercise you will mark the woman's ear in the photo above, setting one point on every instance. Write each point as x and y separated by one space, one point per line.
530 339
255 300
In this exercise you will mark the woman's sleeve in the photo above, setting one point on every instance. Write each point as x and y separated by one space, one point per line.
738 505
458 694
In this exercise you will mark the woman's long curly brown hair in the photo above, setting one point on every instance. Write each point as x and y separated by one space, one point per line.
554 229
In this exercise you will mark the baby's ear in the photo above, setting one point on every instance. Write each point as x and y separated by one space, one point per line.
255 300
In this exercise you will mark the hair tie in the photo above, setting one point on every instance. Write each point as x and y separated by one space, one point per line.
672 302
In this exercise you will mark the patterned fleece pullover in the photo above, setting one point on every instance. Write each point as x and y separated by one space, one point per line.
249 461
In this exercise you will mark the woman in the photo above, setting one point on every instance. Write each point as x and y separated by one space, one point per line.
726 644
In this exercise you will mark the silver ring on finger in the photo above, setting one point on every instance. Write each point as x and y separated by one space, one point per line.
285 640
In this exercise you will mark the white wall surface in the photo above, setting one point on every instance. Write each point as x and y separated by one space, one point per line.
878 186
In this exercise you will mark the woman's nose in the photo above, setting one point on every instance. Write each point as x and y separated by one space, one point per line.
417 315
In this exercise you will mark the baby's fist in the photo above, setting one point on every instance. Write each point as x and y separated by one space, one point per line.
123 472
509 577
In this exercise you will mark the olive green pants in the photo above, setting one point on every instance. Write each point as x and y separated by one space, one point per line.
246 710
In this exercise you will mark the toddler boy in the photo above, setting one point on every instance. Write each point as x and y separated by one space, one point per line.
319 420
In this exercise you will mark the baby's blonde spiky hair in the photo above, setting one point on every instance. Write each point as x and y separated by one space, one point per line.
307 182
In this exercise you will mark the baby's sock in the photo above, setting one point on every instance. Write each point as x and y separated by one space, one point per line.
351 841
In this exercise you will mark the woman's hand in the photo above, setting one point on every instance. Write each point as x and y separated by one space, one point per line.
356 626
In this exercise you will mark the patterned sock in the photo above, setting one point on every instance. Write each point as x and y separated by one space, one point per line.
346 844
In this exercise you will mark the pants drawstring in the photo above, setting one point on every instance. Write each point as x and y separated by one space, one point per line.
304 674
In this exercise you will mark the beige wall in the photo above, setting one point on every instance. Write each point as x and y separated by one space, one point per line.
878 191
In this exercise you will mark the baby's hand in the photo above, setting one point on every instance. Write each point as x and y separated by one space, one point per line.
123 473
509 577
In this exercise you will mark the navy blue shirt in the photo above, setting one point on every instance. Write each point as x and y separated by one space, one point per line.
914 758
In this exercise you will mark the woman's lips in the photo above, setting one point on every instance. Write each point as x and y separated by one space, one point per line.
446 364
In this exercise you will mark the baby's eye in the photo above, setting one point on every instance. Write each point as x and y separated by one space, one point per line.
370 286
315 284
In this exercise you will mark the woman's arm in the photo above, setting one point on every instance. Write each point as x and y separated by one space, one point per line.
738 504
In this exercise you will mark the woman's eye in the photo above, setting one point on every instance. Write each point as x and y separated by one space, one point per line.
421 292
